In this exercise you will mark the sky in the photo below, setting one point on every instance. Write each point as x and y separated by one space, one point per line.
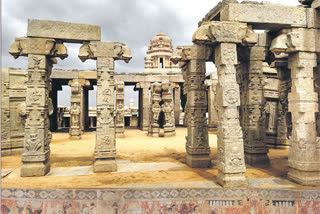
134 22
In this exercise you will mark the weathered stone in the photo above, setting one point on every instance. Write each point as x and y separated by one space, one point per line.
155 110
273 15
66 31
197 145
120 109
231 166
232 32
167 108
212 102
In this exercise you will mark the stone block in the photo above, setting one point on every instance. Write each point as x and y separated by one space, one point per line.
313 18
66 31
274 16
232 180
35 169
198 161
105 165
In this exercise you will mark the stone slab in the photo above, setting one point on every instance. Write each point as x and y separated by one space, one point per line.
6 172
269 183
66 31
156 166
190 184
269 16
70 171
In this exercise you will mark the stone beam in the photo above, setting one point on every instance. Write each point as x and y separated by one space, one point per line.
66 31
232 32
274 15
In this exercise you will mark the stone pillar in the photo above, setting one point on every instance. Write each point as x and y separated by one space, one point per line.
304 162
177 104
84 120
283 120
54 97
225 36
168 110
193 67
120 109
254 124
5 114
155 110
36 154
212 101
75 109
105 53
144 104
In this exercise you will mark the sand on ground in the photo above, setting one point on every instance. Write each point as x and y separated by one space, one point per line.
136 146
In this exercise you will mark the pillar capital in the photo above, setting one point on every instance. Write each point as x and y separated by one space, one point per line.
141 85
38 46
295 40
213 32
189 52
96 49
81 82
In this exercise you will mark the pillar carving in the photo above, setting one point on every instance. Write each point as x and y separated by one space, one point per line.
120 109
254 127
212 102
177 95
155 110
226 35
105 53
41 53
304 162
168 110
76 107
5 114
144 106
192 61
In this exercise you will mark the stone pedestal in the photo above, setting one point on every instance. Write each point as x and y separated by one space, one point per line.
120 109
167 108
155 110
231 164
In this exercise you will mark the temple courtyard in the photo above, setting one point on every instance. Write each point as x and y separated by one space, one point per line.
143 162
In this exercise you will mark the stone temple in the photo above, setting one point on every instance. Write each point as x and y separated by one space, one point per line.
264 94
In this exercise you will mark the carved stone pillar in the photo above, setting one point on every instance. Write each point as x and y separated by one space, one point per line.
155 110
212 110
226 35
35 157
177 104
254 124
304 162
143 104
193 67
167 108
120 109
5 114
283 120
76 107
105 53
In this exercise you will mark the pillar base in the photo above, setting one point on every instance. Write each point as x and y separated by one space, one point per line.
75 137
34 169
198 161
144 128
105 165
256 158
311 178
169 134
155 134
119 135
232 180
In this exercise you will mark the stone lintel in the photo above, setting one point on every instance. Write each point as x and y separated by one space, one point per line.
66 31
190 52
38 46
296 39
224 31
274 16
115 50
